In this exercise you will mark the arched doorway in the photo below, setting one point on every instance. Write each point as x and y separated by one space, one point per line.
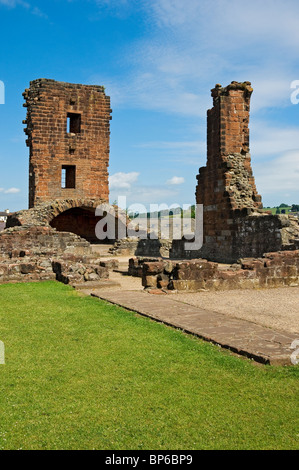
79 216
79 220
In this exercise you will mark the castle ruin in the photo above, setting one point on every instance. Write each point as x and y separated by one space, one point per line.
68 135
68 129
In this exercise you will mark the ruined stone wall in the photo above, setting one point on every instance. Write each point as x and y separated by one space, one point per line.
227 181
141 247
234 224
68 129
41 241
40 253
276 269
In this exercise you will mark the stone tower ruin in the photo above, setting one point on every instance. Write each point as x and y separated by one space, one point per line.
68 135
68 129
228 167
234 226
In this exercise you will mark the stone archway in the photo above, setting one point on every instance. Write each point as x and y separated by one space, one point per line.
79 220
71 215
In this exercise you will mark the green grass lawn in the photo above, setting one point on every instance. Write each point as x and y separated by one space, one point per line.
83 374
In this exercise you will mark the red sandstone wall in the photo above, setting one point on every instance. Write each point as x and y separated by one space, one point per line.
51 146
226 184
273 270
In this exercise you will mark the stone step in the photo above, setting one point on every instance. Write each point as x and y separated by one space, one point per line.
90 285
102 250
121 270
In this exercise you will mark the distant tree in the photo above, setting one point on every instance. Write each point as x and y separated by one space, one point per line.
295 208
282 206
277 210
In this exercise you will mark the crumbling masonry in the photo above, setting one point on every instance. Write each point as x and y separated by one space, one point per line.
234 225
68 133
262 248
68 129
68 136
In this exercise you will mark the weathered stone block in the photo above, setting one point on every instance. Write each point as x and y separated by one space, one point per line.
27 268
149 281
153 268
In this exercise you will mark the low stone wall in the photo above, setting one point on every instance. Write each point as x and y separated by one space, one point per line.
26 269
272 270
136 265
75 271
141 247
41 240
41 253
249 236
69 269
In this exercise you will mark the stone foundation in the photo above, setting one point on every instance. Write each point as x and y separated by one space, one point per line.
41 253
253 234
275 269
41 241
141 247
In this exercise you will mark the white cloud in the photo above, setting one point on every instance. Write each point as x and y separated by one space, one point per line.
37 12
271 90
123 180
280 176
270 140
122 184
12 191
176 180
266 22
147 195
14 3
190 46
193 45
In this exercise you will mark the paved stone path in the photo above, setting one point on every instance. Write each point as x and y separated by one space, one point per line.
262 344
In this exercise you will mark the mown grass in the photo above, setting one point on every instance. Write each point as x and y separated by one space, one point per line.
83 374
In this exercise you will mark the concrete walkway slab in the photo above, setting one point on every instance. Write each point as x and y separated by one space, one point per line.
243 337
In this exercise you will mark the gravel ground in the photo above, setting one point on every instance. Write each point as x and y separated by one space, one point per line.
274 308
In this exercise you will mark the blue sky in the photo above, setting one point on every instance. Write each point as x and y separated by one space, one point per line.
158 60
